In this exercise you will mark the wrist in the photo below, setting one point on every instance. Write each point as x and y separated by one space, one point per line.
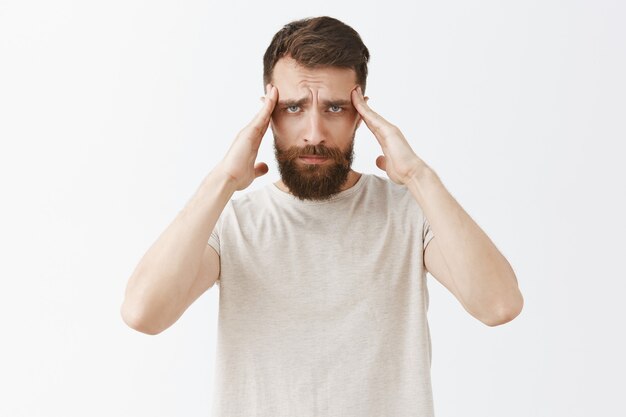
420 179
420 173
222 179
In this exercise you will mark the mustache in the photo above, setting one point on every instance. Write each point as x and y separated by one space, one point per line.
317 150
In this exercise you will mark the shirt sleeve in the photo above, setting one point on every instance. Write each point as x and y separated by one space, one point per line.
427 232
214 239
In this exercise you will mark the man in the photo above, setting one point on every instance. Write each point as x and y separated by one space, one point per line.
323 295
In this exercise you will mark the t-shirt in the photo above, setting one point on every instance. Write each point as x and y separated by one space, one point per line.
323 305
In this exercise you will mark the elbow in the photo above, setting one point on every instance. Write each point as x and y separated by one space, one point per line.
136 321
506 313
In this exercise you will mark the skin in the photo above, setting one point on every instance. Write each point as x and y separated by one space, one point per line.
461 256
324 116
180 266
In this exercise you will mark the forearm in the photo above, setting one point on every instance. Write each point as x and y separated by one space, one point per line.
159 286
482 275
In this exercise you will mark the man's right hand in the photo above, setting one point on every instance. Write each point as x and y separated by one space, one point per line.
239 163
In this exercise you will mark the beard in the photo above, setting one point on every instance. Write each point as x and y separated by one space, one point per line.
314 181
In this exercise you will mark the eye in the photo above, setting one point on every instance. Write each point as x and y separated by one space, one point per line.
291 107
337 109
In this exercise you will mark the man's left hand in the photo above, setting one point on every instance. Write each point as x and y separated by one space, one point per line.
398 159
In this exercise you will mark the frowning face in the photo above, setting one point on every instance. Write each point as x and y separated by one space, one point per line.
314 123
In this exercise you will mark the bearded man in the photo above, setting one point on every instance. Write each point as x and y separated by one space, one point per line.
323 296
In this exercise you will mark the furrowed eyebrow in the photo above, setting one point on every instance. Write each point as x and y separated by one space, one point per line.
302 101
296 102
337 102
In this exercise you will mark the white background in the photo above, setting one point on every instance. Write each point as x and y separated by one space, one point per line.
111 113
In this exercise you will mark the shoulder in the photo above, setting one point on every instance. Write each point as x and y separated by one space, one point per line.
385 184
246 200
397 196
250 207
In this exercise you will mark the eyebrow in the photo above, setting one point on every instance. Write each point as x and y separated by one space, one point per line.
300 102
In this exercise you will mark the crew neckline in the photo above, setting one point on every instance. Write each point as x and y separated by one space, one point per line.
339 196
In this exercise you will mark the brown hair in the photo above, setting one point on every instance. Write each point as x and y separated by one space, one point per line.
318 42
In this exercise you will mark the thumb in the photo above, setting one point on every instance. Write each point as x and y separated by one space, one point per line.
380 163
260 169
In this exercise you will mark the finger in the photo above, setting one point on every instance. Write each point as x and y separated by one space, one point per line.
261 121
260 168
369 115
375 122
381 163
267 89
270 99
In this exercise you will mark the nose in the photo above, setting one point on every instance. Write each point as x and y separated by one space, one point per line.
315 130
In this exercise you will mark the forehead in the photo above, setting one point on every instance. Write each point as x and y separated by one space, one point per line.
292 79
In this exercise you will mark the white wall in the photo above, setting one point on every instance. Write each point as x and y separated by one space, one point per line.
111 113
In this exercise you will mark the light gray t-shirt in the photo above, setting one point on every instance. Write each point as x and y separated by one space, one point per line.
322 305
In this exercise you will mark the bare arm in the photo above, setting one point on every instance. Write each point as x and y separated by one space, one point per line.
157 293
174 271
461 256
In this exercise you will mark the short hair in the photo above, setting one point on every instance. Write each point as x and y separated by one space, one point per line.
318 42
